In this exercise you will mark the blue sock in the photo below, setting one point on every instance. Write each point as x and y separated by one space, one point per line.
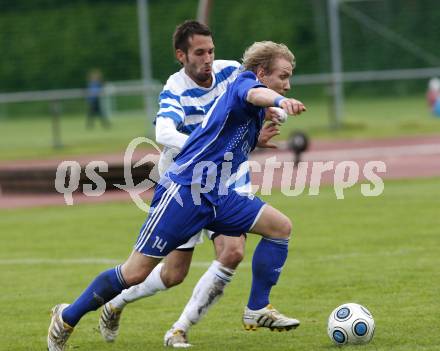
104 288
267 262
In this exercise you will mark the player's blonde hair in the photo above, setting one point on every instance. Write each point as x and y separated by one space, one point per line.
264 53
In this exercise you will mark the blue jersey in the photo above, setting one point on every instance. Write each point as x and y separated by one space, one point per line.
216 149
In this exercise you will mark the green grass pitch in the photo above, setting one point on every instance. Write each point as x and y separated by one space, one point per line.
382 252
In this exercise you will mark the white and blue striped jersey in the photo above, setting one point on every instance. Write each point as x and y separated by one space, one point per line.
228 133
187 103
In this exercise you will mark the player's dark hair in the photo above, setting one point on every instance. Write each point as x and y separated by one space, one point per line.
185 31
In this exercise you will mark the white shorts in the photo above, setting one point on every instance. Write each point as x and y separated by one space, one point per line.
196 239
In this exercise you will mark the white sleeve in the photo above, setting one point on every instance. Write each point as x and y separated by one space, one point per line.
167 134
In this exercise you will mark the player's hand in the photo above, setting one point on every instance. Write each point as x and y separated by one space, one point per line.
268 131
273 115
292 106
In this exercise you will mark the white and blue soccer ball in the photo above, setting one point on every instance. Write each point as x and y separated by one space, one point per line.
351 323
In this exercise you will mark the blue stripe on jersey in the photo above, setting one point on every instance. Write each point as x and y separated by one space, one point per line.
194 110
188 110
187 129
219 77
198 110
166 105
168 94
225 73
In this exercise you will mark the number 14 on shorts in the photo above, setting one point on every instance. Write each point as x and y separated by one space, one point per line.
160 244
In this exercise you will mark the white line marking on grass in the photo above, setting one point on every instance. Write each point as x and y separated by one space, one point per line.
54 261
198 264
81 261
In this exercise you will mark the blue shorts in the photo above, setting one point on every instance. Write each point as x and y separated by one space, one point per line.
170 225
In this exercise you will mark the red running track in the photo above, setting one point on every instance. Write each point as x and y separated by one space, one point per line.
404 157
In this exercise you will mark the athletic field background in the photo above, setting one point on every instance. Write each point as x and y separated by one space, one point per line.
31 137
382 252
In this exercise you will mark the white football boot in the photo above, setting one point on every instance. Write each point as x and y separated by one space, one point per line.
109 322
268 317
176 338
59 331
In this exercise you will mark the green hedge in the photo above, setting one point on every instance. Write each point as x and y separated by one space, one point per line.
49 44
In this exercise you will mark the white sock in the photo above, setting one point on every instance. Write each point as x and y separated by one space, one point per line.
150 286
206 293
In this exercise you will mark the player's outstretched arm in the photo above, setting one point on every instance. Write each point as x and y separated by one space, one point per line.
265 97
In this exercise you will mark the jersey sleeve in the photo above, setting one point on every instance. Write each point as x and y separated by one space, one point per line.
170 107
246 81
168 135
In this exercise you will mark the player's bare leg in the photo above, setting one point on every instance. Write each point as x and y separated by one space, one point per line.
230 250
272 224
209 289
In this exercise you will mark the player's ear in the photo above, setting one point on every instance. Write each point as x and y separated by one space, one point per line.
260 73
180 56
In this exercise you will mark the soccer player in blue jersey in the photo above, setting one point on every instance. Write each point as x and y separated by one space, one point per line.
228 133
184 101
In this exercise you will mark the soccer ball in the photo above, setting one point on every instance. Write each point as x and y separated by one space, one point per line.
350 323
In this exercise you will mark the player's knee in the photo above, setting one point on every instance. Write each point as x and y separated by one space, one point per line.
137 268
232 257
285 229
134 277
173 277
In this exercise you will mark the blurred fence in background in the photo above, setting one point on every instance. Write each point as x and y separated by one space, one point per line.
116 96
388 49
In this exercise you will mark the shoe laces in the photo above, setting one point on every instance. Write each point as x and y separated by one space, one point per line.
65 333
274 313
113 317
62 332
180 335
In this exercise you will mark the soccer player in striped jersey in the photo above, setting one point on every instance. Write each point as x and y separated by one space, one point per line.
214 281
